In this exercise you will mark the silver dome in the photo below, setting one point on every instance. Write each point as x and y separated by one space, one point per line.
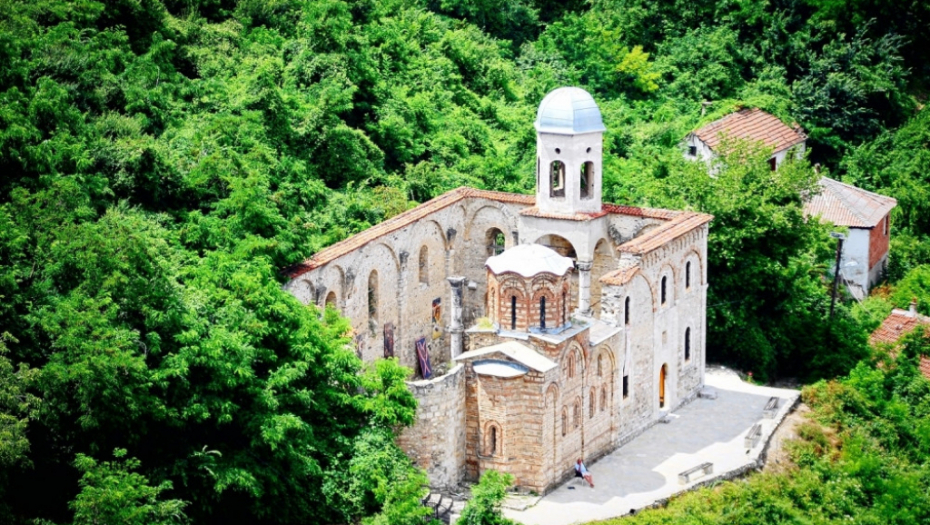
569 111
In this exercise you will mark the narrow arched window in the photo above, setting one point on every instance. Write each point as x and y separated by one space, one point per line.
603 398
585 181
571 365
492 441
373 296
626 311
513 312
600 365
564 421
557 179
576 415
564 308
687 275
542 312
496 241
424 265
687 344
592 404
664 295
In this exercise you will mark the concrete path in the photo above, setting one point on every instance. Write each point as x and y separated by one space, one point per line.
646 469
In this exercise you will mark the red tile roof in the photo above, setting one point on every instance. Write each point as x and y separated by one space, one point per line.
535 212
620 277
898 324
678 224
683 223
846 205
751 124
894 327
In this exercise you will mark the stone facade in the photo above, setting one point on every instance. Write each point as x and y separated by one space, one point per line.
624 333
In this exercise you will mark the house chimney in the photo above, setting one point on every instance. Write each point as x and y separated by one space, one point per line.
912 310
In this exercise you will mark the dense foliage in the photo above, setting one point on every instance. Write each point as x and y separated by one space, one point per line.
162 160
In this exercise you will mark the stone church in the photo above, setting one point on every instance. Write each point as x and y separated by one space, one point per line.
542 328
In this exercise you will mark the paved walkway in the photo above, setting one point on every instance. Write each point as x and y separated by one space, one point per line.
646 469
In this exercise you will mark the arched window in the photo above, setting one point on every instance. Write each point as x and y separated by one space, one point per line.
542 312
664 295
493 441
564 308
571 365
603 398
513 312
687 275
373 297
424 264
626 311
592 404
495 242
576 414
586 180
564 421
600 365
331 300
557 179
687 344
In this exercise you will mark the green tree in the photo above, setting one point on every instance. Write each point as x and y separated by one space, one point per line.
111 492
484 507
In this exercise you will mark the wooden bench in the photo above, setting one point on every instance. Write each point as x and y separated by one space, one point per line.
771 408
753 436
704 468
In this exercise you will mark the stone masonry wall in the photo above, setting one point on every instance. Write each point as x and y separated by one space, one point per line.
436 441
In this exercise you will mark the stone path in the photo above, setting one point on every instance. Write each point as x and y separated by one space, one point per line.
646 469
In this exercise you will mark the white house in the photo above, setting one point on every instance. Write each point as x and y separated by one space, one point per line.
746 124
866 214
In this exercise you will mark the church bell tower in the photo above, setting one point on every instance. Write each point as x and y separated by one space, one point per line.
569 151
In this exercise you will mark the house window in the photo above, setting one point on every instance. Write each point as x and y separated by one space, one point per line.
513 312
886 226
664 289
542 313
692 151
773 163
557 179
586 180
626 311
592 404
626 386
687 344
424 265
687 275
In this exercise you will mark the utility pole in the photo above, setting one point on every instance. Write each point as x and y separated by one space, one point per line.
836 273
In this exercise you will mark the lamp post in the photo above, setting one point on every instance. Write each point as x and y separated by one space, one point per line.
836 274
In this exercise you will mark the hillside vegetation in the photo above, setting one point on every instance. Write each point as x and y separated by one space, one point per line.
161 161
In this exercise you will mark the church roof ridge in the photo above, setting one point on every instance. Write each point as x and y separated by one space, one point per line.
422 211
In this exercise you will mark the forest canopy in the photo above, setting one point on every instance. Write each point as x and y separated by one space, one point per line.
161 162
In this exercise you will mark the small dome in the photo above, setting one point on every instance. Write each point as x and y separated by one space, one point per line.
569 111
529 260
